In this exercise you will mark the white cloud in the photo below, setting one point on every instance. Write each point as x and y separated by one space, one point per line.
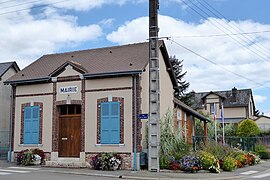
228 54
259 98
30 36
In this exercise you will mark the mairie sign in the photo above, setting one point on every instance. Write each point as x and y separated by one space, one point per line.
69 89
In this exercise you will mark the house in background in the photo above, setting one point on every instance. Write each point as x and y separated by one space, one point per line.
238 104
75 105
263 122
7 69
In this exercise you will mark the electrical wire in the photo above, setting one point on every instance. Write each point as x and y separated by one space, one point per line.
35 7
31 2
216 64
217 26
259 47
220 35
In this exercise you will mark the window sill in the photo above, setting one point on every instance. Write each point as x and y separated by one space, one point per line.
116 145
30 145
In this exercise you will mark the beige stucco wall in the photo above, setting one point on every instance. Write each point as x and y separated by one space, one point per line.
34 89
47 121
5 93
69 71
108 83
251 109
91 113
166 95
263 123
166 88
235 112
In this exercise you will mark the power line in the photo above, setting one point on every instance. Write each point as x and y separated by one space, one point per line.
264 51
31 2
7 1
214 24
220 35
35 7
216 64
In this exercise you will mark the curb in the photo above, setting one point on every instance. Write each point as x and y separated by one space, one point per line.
140 177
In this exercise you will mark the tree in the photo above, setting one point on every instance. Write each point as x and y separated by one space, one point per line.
247 128
182 85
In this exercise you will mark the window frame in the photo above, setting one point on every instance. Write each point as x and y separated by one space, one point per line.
121 102
40 122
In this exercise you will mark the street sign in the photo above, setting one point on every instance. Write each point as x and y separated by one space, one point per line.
143 116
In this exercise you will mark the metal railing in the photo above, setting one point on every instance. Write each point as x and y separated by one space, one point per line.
244 143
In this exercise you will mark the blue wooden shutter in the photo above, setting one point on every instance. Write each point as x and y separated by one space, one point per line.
115 122
31 124
110 123
105 123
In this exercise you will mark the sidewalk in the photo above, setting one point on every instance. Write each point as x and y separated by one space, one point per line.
125 174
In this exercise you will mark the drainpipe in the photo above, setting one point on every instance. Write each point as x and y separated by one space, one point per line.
10 124
135 123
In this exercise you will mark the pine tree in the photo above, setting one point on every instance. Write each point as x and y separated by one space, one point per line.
182 85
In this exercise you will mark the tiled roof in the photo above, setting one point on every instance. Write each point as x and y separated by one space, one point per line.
109 60
190 110
241 99
6 65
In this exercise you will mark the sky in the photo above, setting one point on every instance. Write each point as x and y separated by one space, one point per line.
223 43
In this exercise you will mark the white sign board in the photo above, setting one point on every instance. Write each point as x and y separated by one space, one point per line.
68 90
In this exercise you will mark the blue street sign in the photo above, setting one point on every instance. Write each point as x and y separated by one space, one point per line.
143 116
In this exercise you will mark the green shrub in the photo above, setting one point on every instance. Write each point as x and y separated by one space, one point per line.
247 128
217 149
264 154
164 162
260 147
229 164
171 145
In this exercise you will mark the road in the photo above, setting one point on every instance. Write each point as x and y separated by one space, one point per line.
13 172
20 173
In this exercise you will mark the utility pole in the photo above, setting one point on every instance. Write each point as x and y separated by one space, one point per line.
154 99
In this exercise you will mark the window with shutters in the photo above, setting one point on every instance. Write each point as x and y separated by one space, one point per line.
110 123
31 124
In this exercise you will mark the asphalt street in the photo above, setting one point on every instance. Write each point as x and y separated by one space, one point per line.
10 171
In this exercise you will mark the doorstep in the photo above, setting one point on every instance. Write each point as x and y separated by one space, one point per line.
66 163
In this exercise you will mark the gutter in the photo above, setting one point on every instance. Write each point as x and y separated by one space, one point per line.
10 125
112 74
28 81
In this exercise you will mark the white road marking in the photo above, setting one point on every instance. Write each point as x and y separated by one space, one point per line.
15 171
261 175
3 173
26 168
249 172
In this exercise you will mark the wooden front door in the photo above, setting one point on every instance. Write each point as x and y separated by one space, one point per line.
69 131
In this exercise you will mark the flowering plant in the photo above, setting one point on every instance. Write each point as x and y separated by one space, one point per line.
190 164
174 164
215 168
106 161
252 159
30 157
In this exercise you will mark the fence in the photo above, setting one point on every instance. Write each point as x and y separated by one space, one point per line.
244 143
4 144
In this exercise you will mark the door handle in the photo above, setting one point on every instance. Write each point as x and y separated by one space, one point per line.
64 139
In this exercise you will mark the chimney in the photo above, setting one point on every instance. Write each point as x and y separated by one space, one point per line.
234 92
